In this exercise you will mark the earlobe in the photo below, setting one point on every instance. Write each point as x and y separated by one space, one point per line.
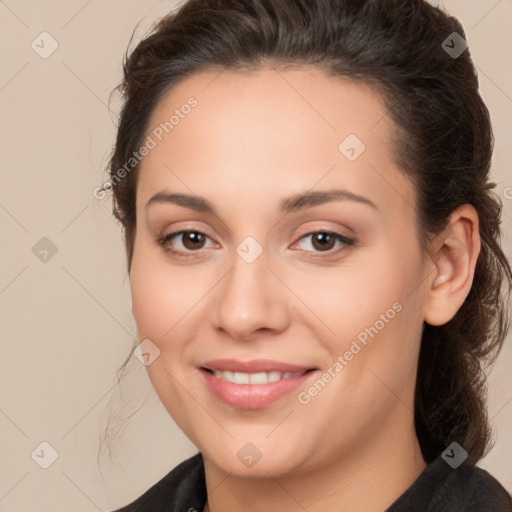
455 255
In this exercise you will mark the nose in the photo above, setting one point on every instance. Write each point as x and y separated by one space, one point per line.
250 300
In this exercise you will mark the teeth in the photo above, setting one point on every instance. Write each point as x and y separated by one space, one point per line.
256 378
241 378
274 376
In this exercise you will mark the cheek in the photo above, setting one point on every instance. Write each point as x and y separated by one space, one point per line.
162 305
351 298
151 298
374 311
168 302
157 295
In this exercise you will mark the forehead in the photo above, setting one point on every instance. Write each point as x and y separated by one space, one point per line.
271 128
259 103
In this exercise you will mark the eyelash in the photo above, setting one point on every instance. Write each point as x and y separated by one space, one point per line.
347 243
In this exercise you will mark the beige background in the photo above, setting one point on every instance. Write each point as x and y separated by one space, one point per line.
66 323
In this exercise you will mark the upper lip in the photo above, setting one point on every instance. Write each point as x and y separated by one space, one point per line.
253 366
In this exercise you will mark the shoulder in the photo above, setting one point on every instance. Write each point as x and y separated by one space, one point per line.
441 488
181 489
484 491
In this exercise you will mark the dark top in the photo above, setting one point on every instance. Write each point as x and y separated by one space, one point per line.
439 488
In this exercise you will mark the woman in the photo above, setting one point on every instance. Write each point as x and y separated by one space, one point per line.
314 258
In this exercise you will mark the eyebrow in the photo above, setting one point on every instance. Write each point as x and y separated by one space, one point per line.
291 204
310 199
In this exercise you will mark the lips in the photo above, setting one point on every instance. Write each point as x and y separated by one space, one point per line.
252 384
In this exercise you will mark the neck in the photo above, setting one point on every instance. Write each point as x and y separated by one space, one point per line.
368 479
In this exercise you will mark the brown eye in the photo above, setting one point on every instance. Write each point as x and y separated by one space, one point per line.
193 240
323 241
185 241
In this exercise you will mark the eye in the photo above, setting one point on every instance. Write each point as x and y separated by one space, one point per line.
185 241
324 241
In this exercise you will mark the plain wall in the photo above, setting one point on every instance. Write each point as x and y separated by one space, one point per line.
66 322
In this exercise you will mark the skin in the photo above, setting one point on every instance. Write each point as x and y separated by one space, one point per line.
253 140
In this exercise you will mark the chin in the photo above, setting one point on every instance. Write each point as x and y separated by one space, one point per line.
258 459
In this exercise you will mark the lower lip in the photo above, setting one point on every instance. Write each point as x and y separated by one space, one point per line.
252 396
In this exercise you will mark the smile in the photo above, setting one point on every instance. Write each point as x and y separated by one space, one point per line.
253 384
256 378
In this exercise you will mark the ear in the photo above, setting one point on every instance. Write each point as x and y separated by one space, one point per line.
455 253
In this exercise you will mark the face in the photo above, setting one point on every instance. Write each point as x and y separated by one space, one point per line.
276 269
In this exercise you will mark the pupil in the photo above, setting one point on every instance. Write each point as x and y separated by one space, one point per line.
193 240
323 241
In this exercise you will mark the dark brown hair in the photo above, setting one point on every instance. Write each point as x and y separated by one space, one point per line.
444 144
